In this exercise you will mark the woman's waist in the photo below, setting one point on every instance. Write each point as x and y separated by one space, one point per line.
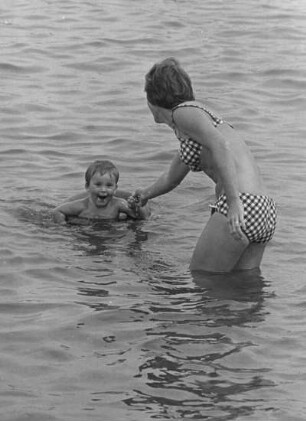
250 188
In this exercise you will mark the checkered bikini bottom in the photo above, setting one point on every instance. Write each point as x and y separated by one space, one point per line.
259 216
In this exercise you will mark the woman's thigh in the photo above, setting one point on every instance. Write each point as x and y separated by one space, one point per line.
217 250
251 257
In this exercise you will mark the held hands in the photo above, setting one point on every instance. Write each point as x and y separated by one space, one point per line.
139 198
135 202
138 204
235 218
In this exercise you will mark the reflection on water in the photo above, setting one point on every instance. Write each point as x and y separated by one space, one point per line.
88 236
201 359
191 343
104 236
189 346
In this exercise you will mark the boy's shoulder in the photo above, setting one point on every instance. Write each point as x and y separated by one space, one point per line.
74 206
80 203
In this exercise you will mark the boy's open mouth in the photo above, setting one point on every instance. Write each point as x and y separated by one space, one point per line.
101 197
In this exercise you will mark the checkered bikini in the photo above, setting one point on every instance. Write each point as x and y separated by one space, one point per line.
259 216
190 150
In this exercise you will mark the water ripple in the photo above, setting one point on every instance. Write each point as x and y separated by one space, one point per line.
105 319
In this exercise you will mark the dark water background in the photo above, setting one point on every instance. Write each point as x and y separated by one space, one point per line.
105 322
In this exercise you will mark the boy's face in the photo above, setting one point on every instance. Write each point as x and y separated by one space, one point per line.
102 189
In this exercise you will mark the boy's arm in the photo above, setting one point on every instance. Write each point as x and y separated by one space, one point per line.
58 216
68 209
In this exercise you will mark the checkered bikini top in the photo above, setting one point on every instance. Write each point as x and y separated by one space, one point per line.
190 150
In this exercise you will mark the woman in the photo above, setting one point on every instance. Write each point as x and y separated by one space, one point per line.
243 218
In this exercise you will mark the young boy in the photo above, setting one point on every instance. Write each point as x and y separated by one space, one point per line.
101 179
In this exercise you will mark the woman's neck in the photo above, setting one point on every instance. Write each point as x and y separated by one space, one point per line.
166 116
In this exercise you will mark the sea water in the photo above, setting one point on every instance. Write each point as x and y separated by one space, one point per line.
105 321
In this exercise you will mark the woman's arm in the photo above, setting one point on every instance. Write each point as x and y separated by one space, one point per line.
165 183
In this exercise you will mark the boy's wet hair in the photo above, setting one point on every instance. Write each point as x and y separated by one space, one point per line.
102 167
167 84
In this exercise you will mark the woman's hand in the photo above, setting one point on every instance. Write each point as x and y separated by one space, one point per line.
132 204
138 197
138 204
235 217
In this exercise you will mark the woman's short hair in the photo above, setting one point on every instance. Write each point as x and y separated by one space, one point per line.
167 84
102 167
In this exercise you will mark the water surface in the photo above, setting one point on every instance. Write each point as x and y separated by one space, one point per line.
105 321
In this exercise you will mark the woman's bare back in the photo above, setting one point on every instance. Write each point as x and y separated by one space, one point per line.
248 174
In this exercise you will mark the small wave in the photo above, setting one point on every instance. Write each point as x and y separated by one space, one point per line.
13 68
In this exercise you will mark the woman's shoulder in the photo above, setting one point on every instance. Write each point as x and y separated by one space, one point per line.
189 113
187 104
197 105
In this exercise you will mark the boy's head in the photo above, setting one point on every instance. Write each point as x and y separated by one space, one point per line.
167 84
101 167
